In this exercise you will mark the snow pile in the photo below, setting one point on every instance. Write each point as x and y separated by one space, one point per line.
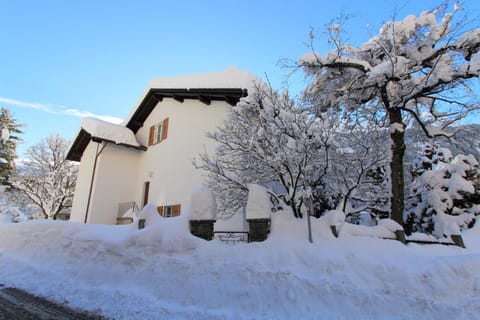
203 205
104 130
235 222
259 205
384 229
162 272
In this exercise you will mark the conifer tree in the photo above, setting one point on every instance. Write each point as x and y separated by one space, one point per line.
8 147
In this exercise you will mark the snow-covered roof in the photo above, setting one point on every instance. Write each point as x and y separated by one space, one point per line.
232 77
98 131
229 86
103 130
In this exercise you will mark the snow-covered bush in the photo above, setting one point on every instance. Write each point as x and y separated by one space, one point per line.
445 193
9 211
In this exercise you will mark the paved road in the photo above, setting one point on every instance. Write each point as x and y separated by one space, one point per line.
20 305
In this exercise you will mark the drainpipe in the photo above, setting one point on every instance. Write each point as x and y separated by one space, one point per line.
97 154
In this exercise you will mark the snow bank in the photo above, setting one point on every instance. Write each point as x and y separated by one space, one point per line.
203 205
162 272
117 133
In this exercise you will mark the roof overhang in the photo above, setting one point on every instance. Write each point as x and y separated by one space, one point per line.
83 139
230 95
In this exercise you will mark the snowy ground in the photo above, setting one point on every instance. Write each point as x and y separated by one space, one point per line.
161 272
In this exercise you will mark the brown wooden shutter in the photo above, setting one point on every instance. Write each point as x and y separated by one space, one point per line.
151 135
165 129
176 210
160 210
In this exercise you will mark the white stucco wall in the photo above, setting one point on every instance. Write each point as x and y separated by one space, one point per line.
168 165
114 182
79 204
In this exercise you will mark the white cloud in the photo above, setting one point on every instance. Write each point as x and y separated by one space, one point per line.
31 105
59 110
83 114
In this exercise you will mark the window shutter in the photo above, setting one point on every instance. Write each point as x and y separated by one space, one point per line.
151 135
160 210
176 210
165 129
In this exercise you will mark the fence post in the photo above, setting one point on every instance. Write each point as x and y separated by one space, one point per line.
458 240
202 228
400 235
258 229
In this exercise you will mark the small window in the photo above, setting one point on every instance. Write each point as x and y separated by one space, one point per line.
158 132
169 211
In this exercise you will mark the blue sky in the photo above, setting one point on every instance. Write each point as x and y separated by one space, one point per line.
61 60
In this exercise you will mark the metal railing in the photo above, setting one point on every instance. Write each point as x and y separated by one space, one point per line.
232 237
124 207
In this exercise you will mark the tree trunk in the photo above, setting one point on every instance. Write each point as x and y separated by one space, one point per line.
396 164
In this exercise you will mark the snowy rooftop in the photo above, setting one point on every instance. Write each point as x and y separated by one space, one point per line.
230 78
228 86
104 130
99 130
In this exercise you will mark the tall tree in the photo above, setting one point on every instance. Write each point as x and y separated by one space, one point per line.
418 68
269 141
10 130
48 179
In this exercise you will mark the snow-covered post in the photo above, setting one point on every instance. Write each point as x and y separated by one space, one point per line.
309 200
258 211
203 213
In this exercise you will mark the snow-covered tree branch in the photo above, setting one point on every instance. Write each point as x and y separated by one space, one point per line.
267 140
419 68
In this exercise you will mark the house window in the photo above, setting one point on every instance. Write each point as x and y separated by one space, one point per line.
158 132
169 211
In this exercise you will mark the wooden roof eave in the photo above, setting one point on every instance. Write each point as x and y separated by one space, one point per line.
82 140
206 95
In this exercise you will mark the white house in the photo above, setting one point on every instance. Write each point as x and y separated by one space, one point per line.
148 159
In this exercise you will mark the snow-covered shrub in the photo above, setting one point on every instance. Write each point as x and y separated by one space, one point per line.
445 193
9 211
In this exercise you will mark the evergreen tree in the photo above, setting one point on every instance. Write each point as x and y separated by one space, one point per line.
445 193
8 147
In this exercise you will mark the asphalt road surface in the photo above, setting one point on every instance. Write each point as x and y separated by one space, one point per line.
17 304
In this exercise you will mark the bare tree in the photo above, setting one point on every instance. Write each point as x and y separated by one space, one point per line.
418 68
47 178
267 140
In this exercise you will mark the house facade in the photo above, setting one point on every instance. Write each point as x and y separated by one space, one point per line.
148 159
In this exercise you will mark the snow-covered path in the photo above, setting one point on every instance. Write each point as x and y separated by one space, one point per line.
162 272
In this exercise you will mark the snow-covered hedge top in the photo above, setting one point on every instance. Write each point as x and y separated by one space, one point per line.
203 205
109 131
230 78
259 205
